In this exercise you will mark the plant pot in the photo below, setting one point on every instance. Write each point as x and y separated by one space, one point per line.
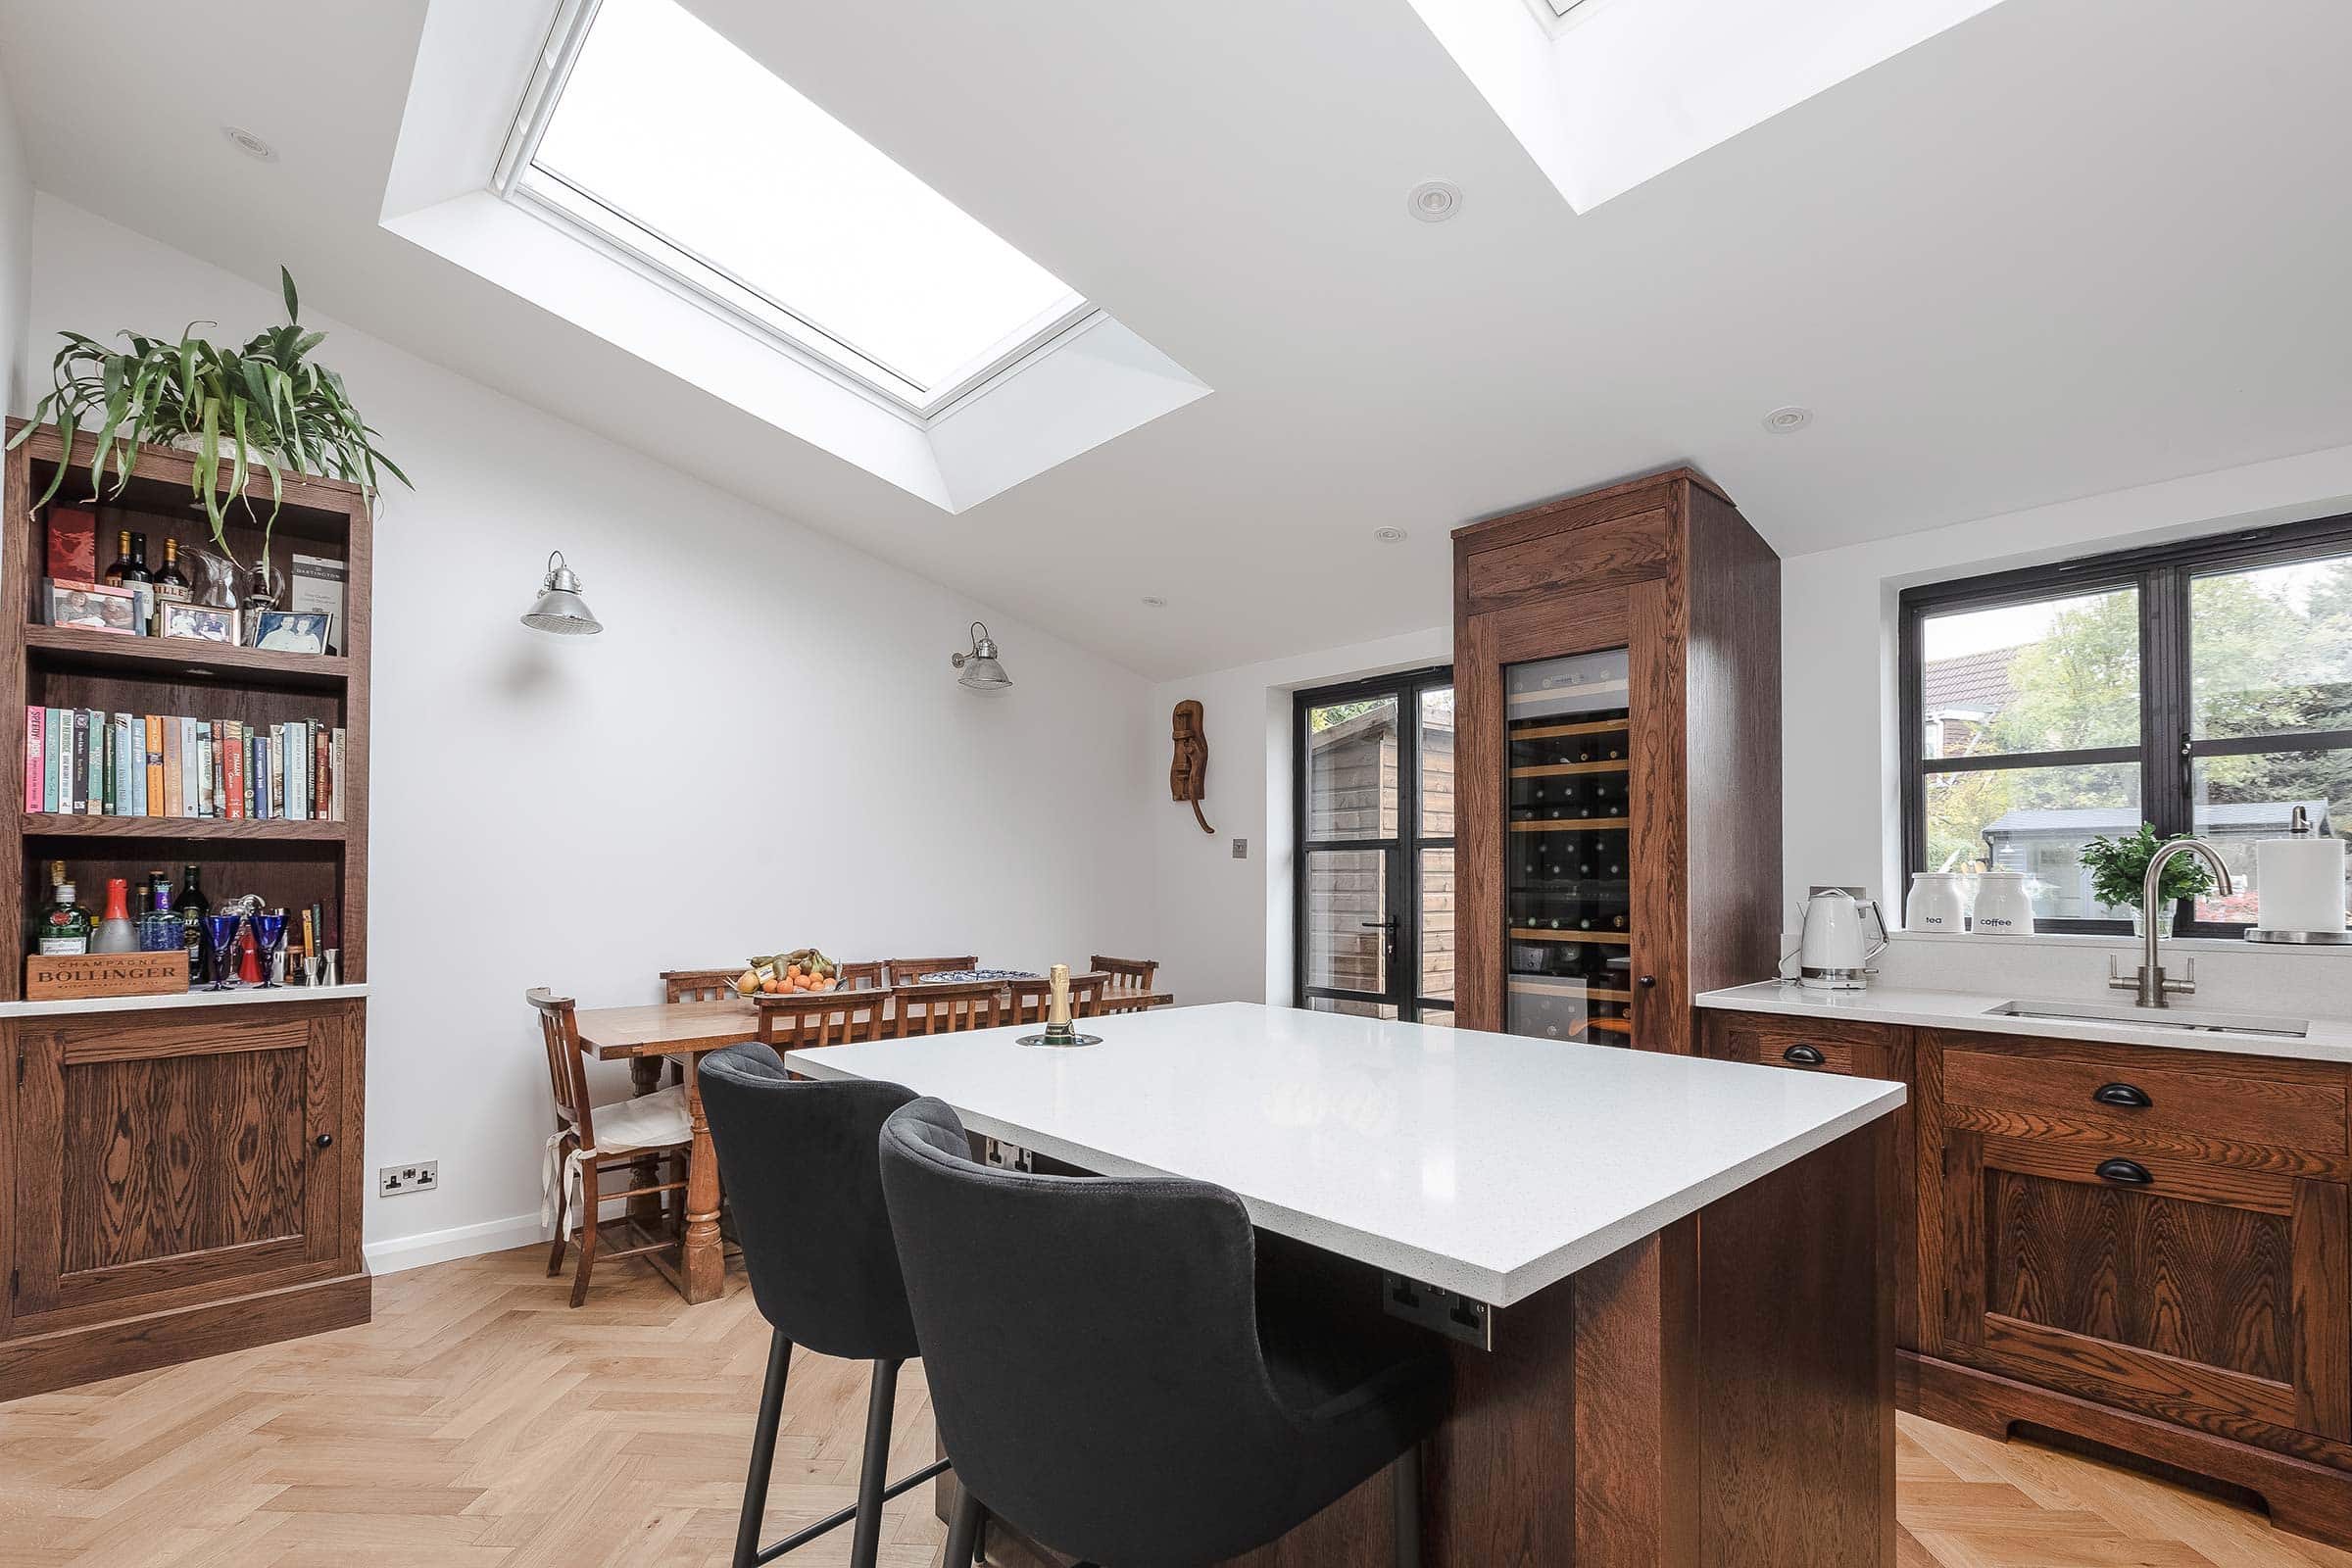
2164 921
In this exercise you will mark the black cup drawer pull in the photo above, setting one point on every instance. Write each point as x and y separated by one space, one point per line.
1804 1056
2128 1095
2127 1172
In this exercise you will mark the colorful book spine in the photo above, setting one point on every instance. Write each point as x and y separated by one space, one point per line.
154 726
335 757
191 757
36 720
54 742
82 762
232 770
174 798
319 795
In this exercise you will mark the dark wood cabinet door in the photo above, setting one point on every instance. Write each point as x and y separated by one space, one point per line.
2208 1295
169 1156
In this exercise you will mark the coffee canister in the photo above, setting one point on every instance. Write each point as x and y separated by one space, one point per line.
2004 908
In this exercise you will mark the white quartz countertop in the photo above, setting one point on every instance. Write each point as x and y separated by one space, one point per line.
1487 1164
240 996
2327 1040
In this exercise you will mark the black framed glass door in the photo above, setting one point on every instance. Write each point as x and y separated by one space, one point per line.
1373 772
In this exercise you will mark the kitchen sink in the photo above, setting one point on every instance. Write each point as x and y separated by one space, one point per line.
2189 1020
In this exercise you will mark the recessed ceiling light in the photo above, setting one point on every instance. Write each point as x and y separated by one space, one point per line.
251 146
1434 201
1155 602
1788 419
1388 536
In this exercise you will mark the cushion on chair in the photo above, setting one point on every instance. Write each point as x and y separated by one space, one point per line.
658 1120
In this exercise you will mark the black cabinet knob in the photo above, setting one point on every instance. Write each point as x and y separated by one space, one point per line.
2126 1172
1804 1056
2128 1095
1647 981
325 1140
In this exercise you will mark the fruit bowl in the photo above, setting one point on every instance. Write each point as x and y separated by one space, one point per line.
787 973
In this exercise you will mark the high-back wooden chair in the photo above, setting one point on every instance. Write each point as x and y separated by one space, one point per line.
1130 982
1033 999
811 1018
906 971
590 1140
697 985
854 975
949 1007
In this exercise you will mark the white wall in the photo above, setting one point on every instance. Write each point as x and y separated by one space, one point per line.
766 748
1224 925
1841 823
16 259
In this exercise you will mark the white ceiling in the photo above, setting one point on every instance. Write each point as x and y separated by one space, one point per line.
2063 248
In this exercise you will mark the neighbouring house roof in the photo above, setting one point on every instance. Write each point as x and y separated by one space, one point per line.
2249 817
1975 683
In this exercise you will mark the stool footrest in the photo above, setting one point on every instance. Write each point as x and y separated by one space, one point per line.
840 1517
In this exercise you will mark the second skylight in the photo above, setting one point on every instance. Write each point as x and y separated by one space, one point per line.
676 145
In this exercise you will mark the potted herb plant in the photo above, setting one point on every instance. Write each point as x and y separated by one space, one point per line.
266 405
2118 873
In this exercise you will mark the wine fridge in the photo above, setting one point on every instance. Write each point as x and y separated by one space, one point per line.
1567 891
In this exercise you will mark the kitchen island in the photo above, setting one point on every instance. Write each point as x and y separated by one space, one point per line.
1666 1283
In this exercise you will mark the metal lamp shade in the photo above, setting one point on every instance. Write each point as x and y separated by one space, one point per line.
560 607
981 670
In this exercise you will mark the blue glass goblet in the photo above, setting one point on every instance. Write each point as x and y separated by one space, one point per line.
220 930
268 930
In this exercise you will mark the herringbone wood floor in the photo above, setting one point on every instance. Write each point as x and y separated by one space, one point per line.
477 1423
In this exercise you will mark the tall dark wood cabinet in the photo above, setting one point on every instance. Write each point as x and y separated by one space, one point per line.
1617 689
180 1175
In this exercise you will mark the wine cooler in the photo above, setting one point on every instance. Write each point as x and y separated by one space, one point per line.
1617 754
1567 893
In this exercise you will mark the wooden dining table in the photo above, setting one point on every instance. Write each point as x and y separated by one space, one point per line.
643 1037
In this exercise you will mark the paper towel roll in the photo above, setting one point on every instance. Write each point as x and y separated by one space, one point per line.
2301 882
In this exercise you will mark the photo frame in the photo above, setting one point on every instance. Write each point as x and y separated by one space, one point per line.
293 632
87 607
201 623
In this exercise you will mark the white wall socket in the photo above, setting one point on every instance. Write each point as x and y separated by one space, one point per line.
423 1177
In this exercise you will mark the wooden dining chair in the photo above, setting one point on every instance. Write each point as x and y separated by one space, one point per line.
1130 982
949 1007
1032 999
906 971
855 976
591 1139
809 1018
697 985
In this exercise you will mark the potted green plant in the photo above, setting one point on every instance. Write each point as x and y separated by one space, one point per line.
2118 873
264 406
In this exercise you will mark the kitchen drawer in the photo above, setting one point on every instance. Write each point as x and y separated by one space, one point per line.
1852 1050
2258 1112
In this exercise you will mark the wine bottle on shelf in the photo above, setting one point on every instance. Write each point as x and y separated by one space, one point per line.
120 571
171 585
192 906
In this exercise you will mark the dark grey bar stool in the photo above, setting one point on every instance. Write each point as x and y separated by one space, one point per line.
1102 1373
796 1161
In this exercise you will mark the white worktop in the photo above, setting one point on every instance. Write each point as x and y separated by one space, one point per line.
240 996
1487 1164
2329 1039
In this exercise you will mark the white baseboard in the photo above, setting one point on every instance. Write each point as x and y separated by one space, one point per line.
463 1240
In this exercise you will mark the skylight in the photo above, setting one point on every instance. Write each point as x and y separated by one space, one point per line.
659 138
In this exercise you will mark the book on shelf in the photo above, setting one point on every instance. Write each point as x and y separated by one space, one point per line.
83 762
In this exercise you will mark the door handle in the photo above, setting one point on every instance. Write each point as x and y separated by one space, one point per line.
2128 1095
2125 1172
1380 925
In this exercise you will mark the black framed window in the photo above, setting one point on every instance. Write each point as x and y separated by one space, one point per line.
1372 776
2204 687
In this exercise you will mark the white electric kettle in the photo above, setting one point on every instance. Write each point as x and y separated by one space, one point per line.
1842 932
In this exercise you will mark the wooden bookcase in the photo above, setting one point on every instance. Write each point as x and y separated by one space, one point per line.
183 1176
